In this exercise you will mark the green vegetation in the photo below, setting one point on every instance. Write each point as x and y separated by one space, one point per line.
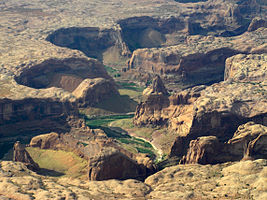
133 94
112 71
105 120
61 162
132 144
118 104
130 86
143 150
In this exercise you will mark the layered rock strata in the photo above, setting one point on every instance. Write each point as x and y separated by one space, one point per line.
199 60
111 164
106 160
216 110
248 143
37 98
104 44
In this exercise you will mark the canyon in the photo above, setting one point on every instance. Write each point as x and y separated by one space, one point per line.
72 74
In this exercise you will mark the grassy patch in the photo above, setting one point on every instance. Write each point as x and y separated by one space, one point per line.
118 104
105 120
90 111
63 162
133 94
130 86
123 123
143 150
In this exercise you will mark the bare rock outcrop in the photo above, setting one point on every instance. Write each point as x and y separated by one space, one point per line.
18 182
216 110
20 154
200 60
248 143
246 68
203 150
157 87
106 160
244 180
92 91
112 164
257 23
45 141
104 44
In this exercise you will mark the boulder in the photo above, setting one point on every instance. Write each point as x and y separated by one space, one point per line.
20 154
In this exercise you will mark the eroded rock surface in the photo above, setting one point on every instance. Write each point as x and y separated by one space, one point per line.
245 180
200 60
246 68
112 164
92 91
215 110
106 159
247 143
45 141
25 184
226 181
20 154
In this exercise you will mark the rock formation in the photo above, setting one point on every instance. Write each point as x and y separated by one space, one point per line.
245 180
111 164
246 68
200 60
92 91
65 73
104 44
157 87
45 141
186 43
257 23
203 150
20 154
224 181
106 159
215 110
39 99
248 142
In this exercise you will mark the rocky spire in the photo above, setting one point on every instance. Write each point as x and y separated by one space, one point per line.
156 87
21 155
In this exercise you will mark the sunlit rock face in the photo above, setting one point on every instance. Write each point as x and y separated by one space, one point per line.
247 143
215 110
